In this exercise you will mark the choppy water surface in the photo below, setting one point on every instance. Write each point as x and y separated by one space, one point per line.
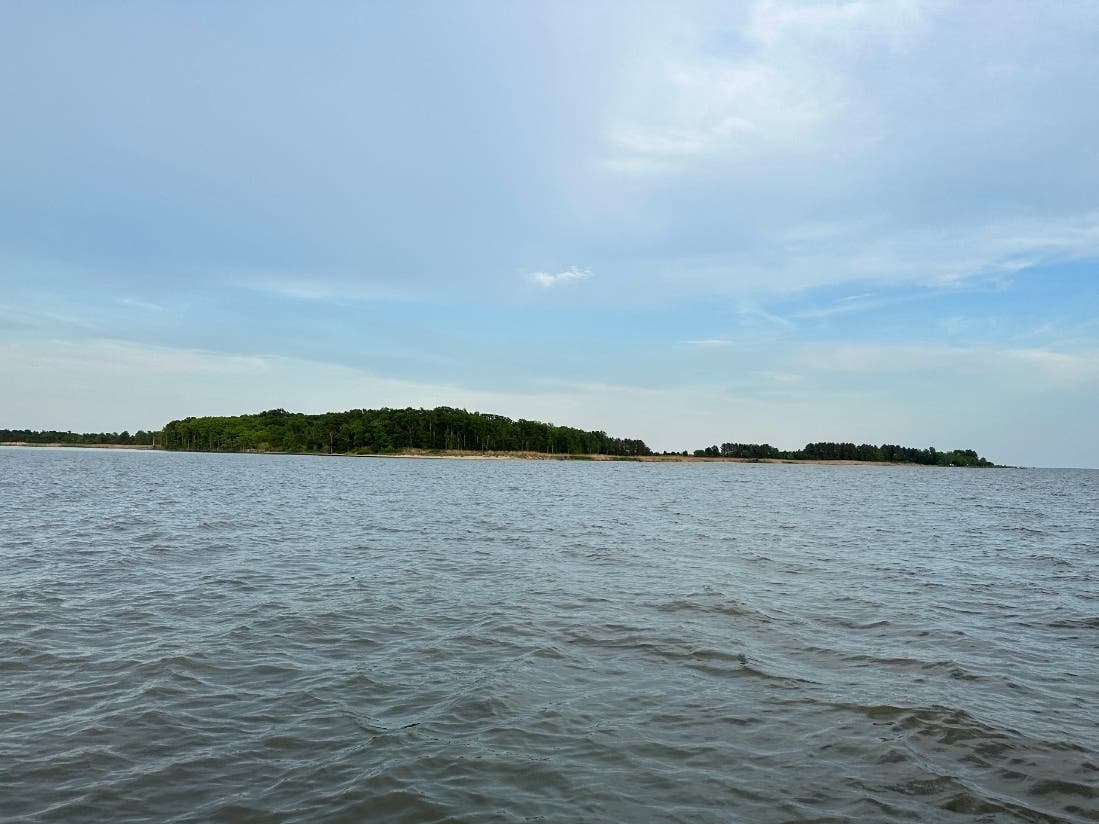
242 638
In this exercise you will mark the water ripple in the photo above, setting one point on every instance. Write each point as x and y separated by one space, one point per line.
193 638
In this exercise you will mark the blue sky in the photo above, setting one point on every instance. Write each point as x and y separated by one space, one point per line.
690 223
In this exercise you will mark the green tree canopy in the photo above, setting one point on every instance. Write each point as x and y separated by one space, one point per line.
388 430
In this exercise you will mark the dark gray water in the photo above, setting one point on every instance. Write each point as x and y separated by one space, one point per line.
249 638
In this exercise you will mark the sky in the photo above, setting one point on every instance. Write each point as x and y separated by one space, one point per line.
687 222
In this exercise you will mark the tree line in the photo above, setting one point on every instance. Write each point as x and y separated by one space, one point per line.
139 438
833 451
381 431
376 431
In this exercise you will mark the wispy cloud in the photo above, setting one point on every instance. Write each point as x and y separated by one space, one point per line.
851 305
781 377
897 22
1039 365
126 357
715 110
549 280
321 286
708 343
148 306
35 318
708 127
752 311
322 291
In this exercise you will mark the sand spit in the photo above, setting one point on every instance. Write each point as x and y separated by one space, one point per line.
543 456
489 455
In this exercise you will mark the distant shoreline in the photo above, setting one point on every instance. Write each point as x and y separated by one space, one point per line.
86 445
466 455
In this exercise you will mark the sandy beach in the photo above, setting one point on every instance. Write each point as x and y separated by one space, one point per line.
467 455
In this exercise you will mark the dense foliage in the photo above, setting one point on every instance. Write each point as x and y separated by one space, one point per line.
139 438
829 451
388 430
444 428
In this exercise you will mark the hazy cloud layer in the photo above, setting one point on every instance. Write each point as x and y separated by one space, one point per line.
571 275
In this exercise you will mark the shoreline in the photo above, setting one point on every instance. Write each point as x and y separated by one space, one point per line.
85 445
490 455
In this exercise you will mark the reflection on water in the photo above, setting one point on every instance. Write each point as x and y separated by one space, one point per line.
197 638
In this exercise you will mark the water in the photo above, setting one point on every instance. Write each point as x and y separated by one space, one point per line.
248 638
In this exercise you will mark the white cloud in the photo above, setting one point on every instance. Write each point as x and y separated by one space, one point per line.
708 343
719 111
549 280
1061 366
939 258
751 311
854 304
897 141
896 22
1019 368
33 317
148 306
322 287
785 89
137 361
781 377
324 291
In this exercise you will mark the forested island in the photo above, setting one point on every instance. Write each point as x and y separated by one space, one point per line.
445 430
51 436
832 451
381 431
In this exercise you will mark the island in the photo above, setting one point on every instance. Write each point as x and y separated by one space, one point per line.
448 432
